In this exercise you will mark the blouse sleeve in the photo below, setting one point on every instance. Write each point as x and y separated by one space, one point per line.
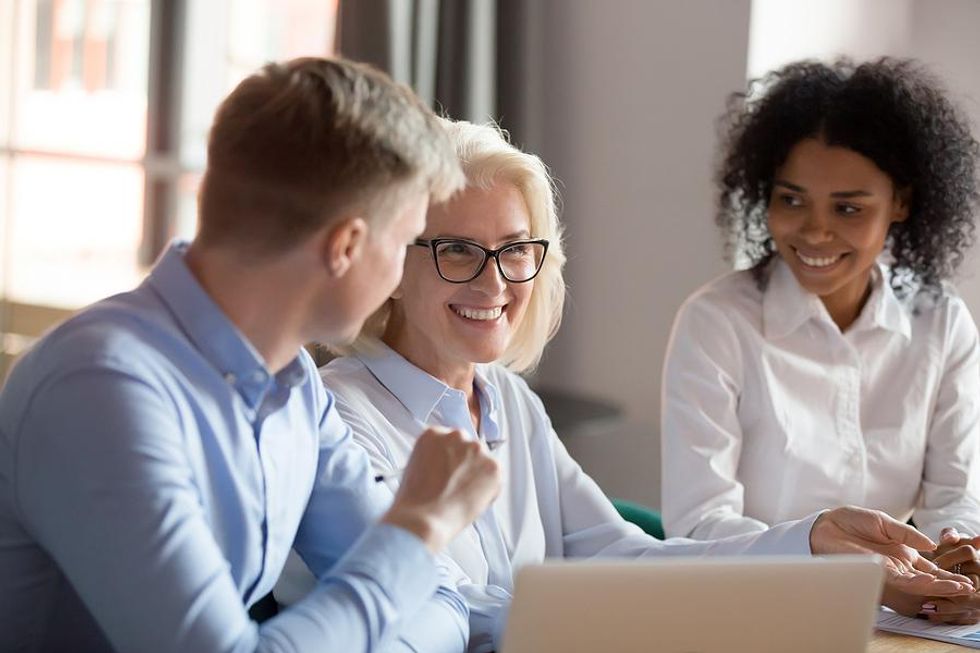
590 526
951 474
701 438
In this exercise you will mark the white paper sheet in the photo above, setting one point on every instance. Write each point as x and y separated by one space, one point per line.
895 623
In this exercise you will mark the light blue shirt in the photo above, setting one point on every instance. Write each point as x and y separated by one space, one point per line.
548 507
154 475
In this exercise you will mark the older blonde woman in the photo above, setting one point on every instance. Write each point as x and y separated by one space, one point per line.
481 295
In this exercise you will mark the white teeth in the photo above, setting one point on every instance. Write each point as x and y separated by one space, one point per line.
820 262
479 313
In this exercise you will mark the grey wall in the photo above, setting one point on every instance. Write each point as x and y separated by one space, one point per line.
625 101
946 35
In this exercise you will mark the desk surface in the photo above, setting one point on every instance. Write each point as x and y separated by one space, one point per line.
891 643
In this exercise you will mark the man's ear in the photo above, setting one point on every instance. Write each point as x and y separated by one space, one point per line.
344 244
903 200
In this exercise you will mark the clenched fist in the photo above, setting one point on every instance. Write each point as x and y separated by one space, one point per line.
448 482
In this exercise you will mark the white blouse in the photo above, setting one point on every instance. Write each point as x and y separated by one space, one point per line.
548 507
769 412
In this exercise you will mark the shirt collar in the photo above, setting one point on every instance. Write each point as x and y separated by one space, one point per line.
884 309
787 306
420 392
212 333
488 405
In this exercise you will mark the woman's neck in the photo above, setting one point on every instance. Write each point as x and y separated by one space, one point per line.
460 375
845 304
455 374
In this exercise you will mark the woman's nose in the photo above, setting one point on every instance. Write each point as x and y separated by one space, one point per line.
816 226
490 281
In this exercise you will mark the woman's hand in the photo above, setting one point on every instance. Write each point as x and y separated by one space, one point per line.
958 553
907 572
951 610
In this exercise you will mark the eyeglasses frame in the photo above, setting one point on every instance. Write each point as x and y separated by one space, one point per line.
432 244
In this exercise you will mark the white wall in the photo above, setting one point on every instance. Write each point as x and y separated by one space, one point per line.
783 31
629 91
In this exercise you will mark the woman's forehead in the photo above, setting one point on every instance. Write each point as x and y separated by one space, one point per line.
478 214
817 167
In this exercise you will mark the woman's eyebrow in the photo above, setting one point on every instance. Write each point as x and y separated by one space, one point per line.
523 233
786 184
839 194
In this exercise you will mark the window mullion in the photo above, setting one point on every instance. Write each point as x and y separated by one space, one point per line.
164 94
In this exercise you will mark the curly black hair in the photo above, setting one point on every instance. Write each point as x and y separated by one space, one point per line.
891 111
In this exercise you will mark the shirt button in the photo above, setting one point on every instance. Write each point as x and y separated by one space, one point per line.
230 378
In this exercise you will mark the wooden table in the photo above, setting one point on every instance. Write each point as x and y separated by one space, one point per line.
891 643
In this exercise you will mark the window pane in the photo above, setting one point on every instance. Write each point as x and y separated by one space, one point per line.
6 57
228 39
73 232
80 77
5 243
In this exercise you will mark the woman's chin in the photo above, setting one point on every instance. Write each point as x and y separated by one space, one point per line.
484 352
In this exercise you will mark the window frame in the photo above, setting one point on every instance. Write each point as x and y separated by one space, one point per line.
21 323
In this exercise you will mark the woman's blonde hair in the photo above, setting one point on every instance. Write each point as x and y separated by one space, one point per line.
487 157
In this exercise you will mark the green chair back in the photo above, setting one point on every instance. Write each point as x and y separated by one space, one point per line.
646 518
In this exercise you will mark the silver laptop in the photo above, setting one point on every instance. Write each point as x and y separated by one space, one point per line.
687 605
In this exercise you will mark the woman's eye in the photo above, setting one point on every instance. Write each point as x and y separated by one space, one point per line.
848 209
790 200
453 249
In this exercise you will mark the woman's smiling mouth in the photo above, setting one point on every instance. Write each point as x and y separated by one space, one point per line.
818 262
478 314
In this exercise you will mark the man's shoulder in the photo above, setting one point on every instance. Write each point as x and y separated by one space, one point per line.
120 330
131 333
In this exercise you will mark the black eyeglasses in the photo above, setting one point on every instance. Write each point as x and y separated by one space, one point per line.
460 261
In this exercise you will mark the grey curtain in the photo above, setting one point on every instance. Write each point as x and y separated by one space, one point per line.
461 56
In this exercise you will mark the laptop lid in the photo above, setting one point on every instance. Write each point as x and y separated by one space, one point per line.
696 605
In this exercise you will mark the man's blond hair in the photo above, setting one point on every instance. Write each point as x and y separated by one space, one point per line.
298 142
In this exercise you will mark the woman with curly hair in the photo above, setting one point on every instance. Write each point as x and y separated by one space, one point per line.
839 366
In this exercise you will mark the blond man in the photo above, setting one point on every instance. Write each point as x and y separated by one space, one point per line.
161 452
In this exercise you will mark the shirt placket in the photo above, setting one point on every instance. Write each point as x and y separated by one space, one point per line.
499 570
849 426
273 396
487 527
